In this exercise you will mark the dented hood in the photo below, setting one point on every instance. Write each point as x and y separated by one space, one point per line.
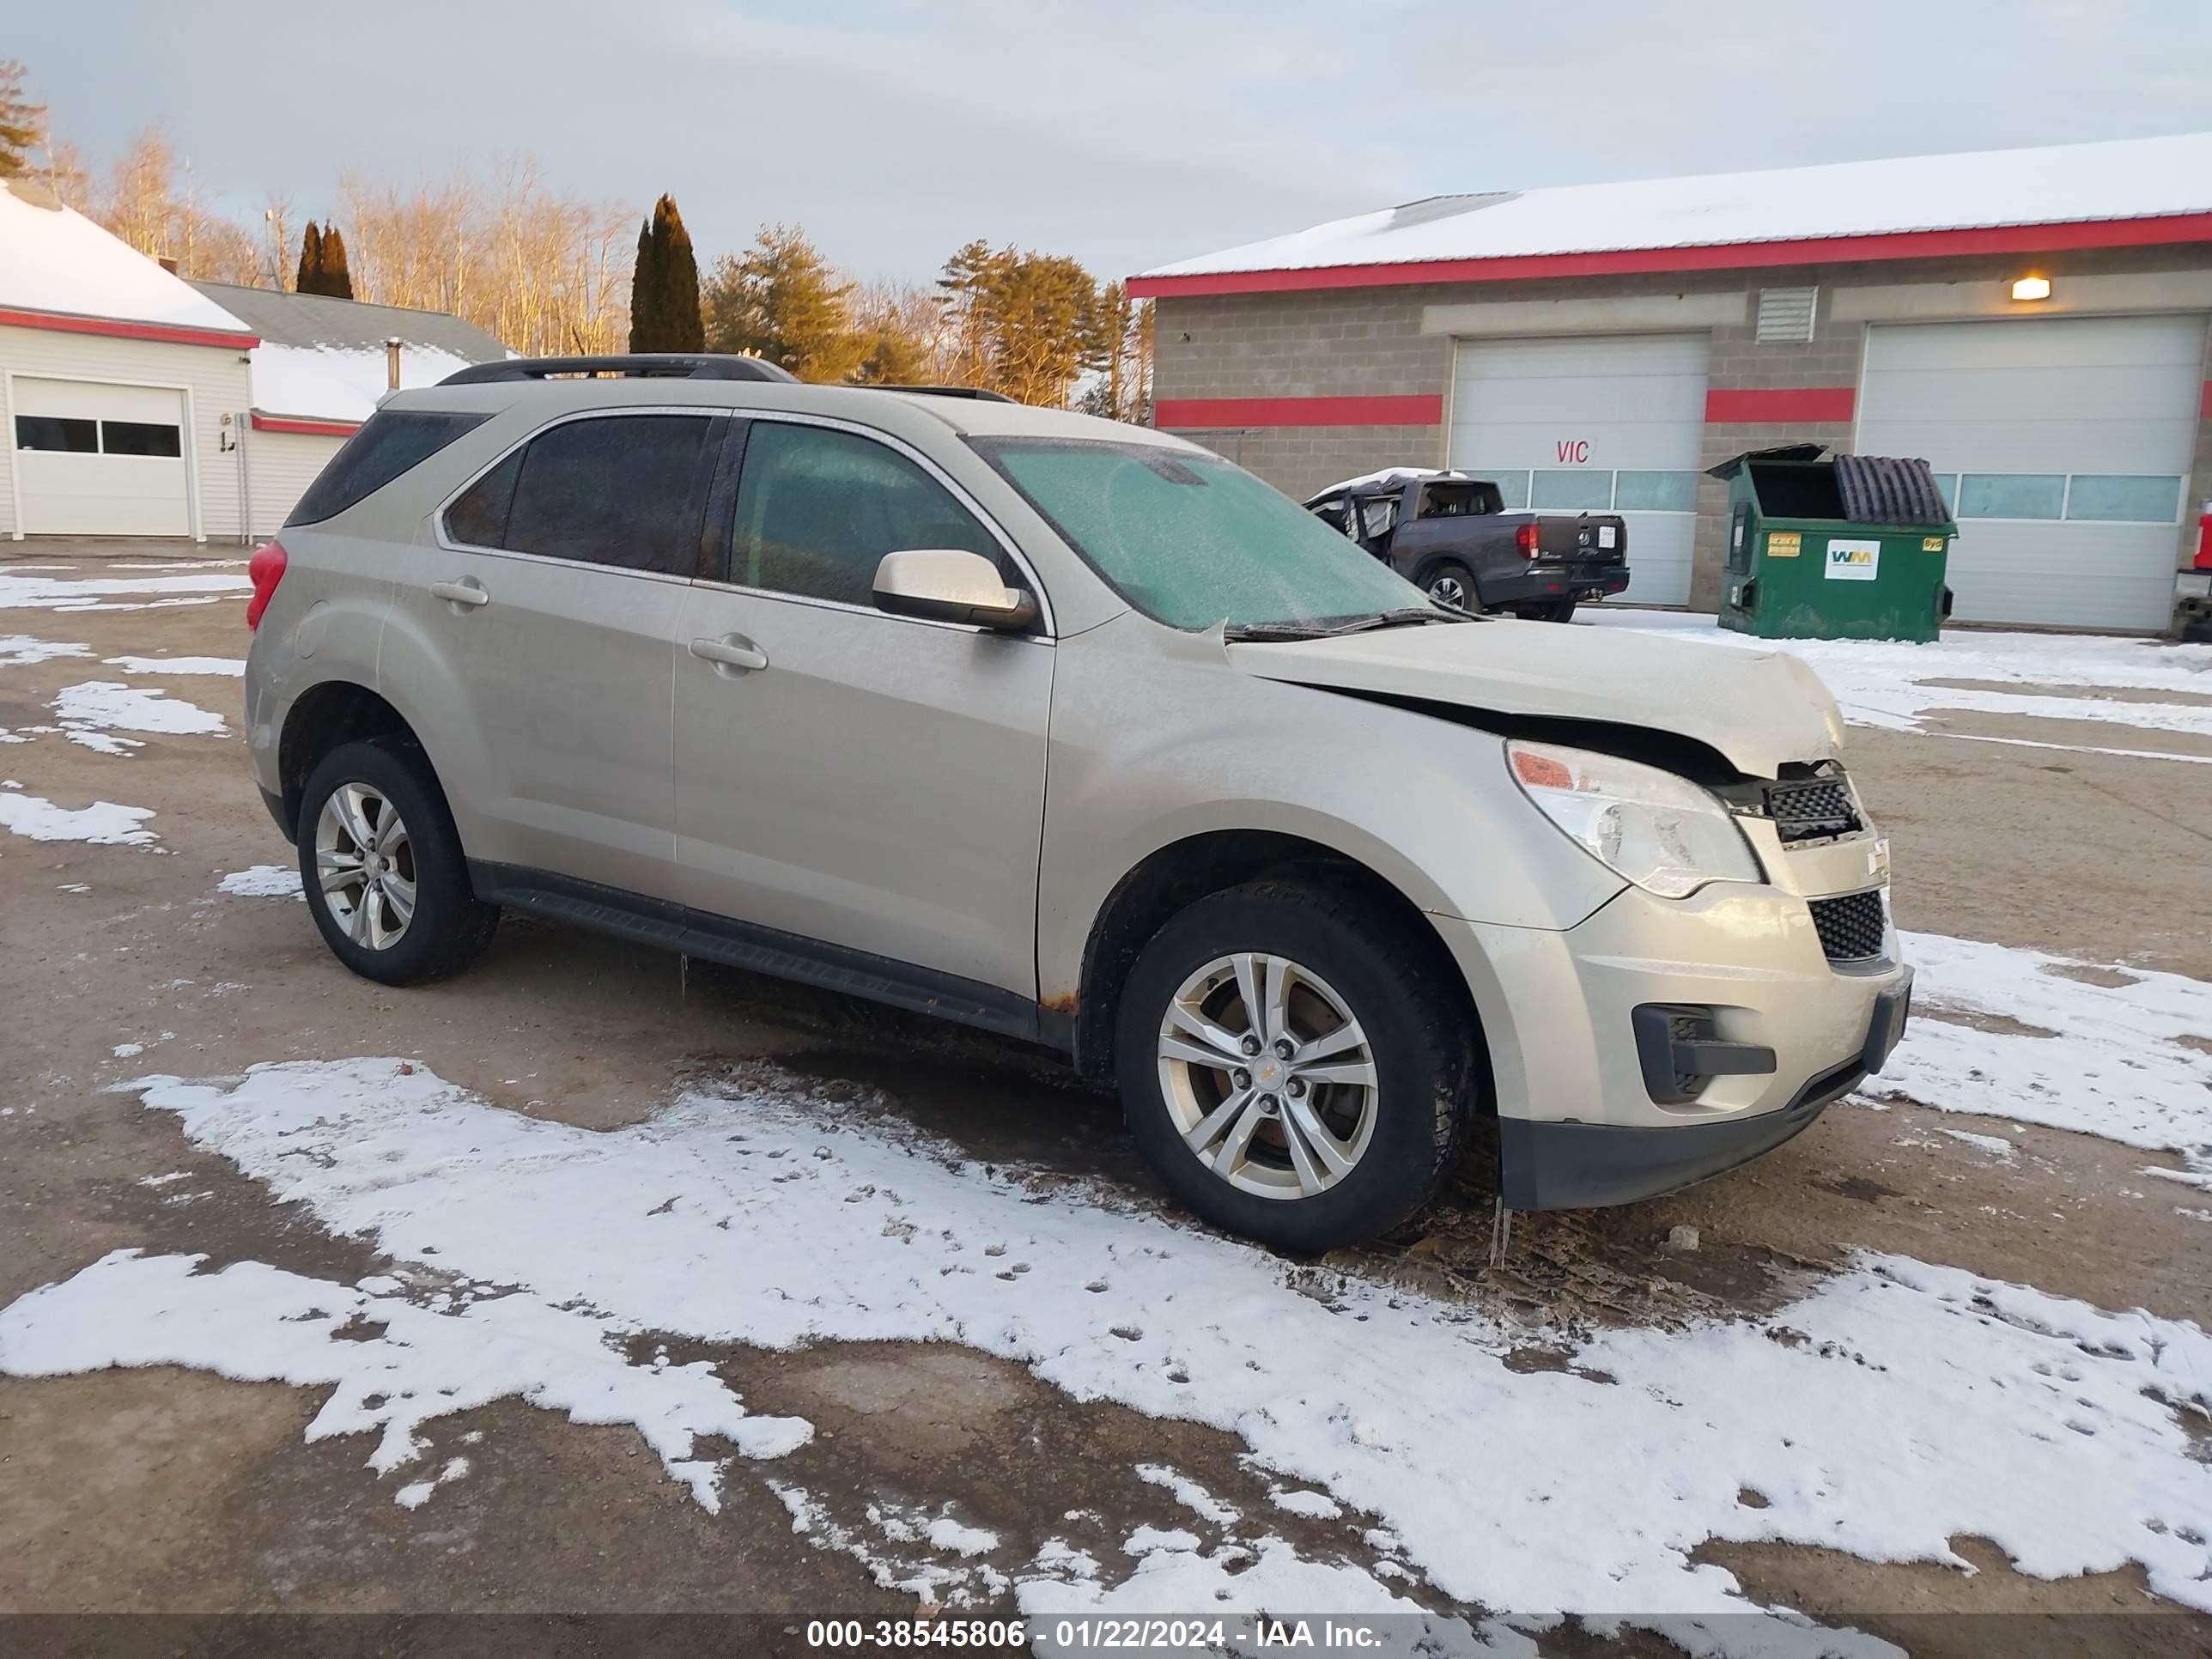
1758 708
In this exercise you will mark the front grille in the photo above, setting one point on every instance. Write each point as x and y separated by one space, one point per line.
1811 809
1850 928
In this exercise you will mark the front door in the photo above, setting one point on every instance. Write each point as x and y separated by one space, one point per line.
870 782
552 601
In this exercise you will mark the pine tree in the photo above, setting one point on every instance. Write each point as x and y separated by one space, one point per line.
338 281
664 290
22 123
780 300
310 278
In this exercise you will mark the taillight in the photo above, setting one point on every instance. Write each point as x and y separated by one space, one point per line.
1524 538
266 569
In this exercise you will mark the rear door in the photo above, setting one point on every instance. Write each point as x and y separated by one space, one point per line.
552 600
869 781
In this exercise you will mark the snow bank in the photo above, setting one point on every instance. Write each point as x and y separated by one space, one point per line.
1889 1409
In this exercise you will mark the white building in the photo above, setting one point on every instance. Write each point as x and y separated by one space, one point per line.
133 403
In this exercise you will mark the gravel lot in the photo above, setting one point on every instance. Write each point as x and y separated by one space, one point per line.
534 1197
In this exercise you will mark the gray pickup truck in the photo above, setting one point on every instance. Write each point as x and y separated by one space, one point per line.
1449 533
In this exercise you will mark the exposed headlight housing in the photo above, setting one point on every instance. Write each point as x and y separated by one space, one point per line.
1659 830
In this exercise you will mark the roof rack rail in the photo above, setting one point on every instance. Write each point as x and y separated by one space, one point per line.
662 365
974 392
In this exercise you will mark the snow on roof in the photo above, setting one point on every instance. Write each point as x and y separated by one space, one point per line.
54 258
2064 184
336 383
1390 477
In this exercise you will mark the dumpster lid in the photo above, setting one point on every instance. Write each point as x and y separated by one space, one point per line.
1730 467
1879 490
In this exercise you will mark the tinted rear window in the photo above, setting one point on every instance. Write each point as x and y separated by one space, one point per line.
390 442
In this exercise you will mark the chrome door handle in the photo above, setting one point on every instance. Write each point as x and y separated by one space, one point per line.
731 651
469 592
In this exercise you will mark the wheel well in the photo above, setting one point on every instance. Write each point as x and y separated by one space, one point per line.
1179 875
333 713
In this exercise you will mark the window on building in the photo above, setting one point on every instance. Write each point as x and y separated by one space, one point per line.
141 438
1578 490
818 509
2122 499
1512 490
2011 494
55 432
1654 492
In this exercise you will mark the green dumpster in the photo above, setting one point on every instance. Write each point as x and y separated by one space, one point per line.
1851 547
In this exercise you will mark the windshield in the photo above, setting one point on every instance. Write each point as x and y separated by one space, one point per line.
1191 540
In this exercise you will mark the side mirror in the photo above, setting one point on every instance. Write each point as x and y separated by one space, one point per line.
946 583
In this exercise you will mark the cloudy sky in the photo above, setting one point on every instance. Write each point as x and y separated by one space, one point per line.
1128 132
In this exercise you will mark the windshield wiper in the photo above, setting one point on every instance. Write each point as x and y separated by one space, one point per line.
1402 617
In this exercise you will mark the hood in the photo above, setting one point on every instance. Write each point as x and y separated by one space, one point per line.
1759 709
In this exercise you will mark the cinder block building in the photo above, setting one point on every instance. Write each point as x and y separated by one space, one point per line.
2031 322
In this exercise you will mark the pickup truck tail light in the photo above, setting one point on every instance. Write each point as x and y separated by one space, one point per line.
1524 538
265 570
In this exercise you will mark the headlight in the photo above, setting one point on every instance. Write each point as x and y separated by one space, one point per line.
1662 832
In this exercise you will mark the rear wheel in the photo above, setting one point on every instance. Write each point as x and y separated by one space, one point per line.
1451 583
382 864
1288 1070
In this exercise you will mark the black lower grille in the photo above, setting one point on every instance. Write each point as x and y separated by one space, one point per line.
1850 928
1812 809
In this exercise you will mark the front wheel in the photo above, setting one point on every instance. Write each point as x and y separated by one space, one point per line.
382 864
1287 1069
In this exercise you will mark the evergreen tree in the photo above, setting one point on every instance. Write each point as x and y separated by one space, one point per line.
781 300
664 290
338 281
310 279
1022 324
22 123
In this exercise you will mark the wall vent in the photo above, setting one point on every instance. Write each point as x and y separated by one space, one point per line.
1786 313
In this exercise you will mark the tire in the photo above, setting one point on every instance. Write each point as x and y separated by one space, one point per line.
448 925
1344 957
1450 575
1550 610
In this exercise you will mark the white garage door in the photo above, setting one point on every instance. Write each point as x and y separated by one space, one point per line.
2063 444
99 460
1607 424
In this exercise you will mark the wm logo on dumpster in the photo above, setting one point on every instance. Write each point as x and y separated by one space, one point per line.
1853 560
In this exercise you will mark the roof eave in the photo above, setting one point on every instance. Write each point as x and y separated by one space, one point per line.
2041 237
125 328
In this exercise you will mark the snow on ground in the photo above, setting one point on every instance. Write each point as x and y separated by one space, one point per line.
21 592
104 823
1886 683
20 650
234 666
339 383
2113 1064
92 712
775 1217
263 881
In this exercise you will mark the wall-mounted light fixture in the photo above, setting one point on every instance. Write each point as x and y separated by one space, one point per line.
2032 287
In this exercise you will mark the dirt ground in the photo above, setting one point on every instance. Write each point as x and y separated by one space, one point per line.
168 1489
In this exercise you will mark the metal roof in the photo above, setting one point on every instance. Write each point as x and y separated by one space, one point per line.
2121 192
316 319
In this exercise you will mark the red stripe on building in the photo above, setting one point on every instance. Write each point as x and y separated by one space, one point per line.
311 429
1729 256
1798 403
116 329
1420 409
2205 407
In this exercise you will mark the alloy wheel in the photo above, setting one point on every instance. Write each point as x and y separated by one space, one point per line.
1448 590
365 863
1268 1077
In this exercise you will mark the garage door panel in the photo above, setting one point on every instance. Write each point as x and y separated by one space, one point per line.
81 461
1595 405
2080 397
